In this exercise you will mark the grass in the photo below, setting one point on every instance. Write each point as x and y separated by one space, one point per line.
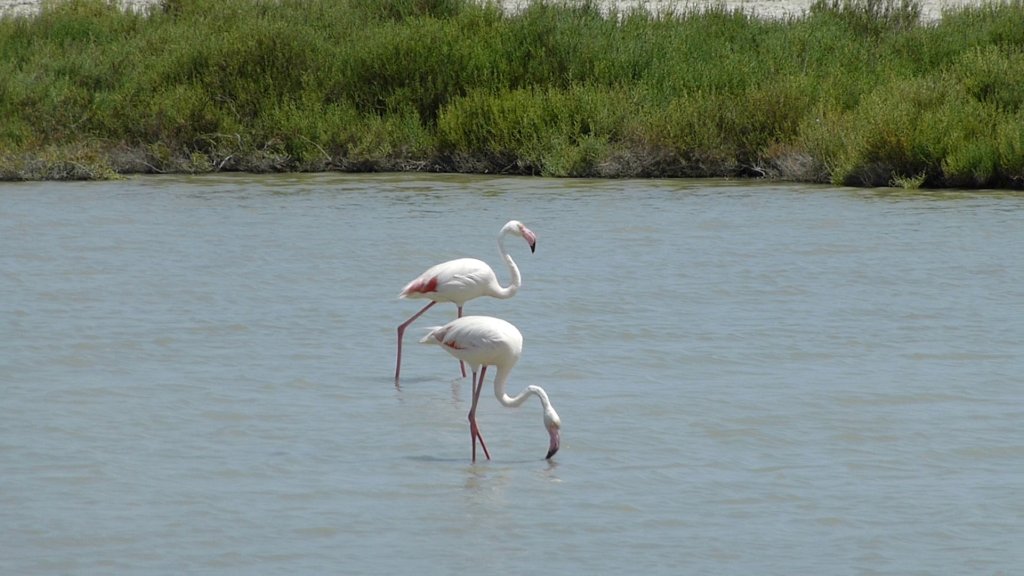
855 92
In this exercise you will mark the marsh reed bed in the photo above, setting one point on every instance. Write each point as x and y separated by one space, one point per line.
856 92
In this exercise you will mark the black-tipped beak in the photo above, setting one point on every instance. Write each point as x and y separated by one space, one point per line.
555 441
530 238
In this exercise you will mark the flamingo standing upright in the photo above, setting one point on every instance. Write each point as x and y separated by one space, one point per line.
483 341
463 279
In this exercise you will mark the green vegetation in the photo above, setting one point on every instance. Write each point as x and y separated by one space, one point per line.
858 92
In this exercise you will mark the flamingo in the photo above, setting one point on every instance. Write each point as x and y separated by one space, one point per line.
483 341
463 279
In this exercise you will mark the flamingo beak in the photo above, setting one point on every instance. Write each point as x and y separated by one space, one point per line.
531 239
553 431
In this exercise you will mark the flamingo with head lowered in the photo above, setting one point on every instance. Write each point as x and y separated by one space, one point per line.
482 341
463 279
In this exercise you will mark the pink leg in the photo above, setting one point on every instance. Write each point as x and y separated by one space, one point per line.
462 365
401 333
474 430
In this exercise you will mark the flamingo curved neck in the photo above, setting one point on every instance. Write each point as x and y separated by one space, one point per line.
516 401
513 270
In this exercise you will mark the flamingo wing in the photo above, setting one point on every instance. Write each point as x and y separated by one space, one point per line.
478 340
455 281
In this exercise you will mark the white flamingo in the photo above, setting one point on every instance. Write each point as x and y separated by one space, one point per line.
463 279
483 341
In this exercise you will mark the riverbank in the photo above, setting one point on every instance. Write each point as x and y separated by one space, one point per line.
858 92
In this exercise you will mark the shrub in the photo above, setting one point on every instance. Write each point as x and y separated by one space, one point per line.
992 74
854 91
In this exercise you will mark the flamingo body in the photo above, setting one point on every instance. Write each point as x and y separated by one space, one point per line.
483 341
456 281
480 341
463 279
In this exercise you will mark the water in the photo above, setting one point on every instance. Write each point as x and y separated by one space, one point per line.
752 378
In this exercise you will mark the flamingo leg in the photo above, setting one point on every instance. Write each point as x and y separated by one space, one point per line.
462 365
401 333
474 430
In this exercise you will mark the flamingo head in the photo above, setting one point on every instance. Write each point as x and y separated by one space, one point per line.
553 424
519 229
